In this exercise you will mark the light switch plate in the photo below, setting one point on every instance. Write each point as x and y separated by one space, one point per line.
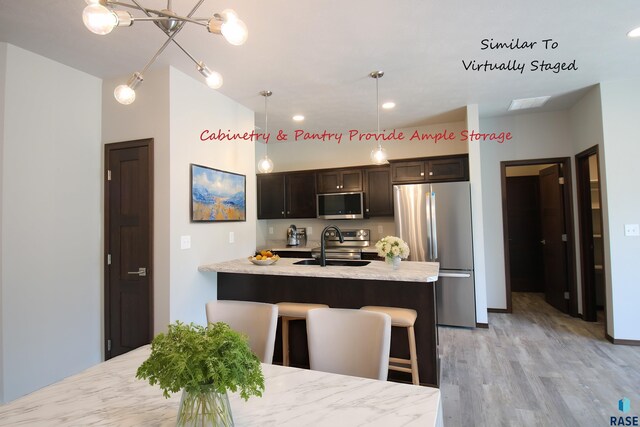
309 231
631 230
185 242
270 230
232 237
380 230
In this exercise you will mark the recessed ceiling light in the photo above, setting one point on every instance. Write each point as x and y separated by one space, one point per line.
525 103
298 117
388 105
634 33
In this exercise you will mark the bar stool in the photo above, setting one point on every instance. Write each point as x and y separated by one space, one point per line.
402 318
292 311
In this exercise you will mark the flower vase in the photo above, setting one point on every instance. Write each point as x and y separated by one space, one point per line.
204 407
395 262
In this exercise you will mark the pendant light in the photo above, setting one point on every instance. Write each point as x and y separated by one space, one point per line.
265 165
379 154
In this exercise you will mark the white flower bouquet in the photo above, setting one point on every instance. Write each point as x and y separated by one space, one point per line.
390 247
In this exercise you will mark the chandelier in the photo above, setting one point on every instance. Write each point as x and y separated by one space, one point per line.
379 154
101 17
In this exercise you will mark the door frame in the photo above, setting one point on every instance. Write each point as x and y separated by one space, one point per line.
569 227
108 147
584 214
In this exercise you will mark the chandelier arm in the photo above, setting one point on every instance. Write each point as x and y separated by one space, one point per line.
163 47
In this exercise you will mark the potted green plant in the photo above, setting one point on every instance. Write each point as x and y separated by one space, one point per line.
204 362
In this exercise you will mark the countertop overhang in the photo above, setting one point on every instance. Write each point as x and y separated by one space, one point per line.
409 271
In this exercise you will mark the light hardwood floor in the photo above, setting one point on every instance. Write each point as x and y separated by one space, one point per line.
535 367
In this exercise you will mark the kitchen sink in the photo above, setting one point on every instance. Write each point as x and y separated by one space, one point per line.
339 262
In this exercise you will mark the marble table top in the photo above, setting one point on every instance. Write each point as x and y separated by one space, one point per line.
409 271
108 394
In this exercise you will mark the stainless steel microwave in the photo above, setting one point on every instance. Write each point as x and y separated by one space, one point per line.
341 205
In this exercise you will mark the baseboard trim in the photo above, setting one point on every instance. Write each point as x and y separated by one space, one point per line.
498 310
482 325
621 342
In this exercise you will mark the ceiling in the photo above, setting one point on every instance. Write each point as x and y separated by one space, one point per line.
316 55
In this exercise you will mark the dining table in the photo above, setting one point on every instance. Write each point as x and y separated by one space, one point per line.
109 394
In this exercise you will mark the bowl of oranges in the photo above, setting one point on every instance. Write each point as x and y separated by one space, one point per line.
264 257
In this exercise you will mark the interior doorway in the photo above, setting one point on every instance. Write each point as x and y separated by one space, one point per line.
591 241
538 231
128 278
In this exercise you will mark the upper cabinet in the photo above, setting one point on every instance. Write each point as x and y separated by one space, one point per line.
340 181
439 169
286 195
378 192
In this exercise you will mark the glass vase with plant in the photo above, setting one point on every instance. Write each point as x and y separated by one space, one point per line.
393 249
204 362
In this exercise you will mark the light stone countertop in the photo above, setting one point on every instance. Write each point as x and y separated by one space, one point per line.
108 394
409 271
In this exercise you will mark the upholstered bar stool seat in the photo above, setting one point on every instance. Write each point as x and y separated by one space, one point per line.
402 318
292 311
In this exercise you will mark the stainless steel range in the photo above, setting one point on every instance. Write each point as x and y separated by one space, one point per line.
351 248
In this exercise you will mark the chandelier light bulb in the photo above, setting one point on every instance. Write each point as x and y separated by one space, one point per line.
379 156
634 33
99 19
265 165
124 94
214 80
233 29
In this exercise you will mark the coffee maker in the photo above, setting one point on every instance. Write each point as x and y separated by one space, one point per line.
296 236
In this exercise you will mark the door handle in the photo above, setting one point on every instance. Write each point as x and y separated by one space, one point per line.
142 271
543 241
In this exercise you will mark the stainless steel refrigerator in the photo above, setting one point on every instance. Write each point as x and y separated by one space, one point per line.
435 221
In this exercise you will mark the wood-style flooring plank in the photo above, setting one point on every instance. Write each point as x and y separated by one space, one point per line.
535 367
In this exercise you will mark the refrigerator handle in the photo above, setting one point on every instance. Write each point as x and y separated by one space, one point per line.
429 236
434 243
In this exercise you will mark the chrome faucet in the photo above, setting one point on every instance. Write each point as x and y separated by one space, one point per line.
323 243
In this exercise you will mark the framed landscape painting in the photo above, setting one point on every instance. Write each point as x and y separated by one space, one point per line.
217 195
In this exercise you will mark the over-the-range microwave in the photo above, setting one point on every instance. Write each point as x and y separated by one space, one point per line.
341 205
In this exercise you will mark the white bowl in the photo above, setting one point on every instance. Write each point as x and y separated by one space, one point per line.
269 261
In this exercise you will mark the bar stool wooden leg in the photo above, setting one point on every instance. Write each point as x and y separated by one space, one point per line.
285 341
413 356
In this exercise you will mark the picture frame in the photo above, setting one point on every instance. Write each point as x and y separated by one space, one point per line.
217 195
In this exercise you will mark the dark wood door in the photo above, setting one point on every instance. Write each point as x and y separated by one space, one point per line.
270 189
301 195
128 278
523 219
554 248
379 192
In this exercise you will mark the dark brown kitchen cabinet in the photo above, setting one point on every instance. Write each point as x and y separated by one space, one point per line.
379 192
286 195
412 171
449 169
340 181
437 169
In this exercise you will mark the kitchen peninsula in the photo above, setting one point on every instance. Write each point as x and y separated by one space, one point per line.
411 286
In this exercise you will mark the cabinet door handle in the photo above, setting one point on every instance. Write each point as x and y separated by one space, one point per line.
421 173
430 173
282 212
288 212
337 186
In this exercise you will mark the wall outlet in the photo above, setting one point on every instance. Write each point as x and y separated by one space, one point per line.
631 230
232 237
270 230
380 230
185 242
309 231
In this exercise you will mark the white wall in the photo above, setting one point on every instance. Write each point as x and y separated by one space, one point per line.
478 217
174 108
195 107
3 68
620 112
148 117
585 120
535 136
51 222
